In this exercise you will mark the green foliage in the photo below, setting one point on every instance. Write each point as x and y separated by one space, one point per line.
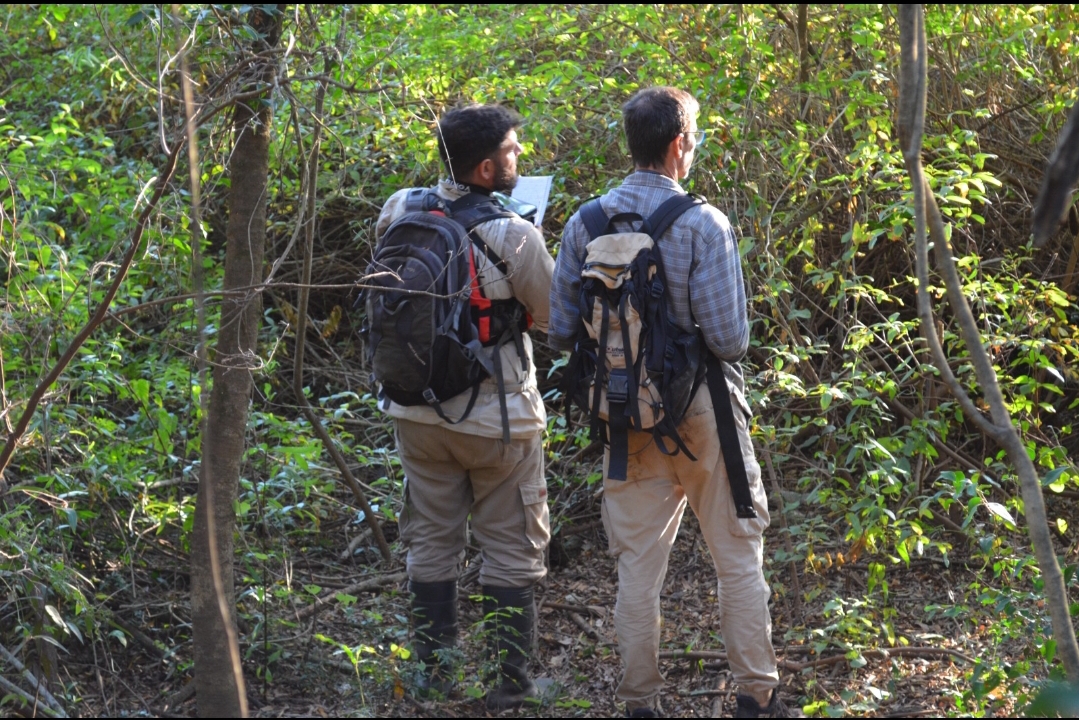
810 174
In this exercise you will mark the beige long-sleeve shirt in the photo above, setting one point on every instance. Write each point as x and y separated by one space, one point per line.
520 245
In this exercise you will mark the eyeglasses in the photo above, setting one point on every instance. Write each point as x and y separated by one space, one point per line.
697 135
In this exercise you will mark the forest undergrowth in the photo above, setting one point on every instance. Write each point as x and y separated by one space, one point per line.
903 582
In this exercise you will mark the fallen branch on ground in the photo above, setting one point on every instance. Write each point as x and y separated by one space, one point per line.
692 655
38 707
707 693
569 607
882 654
355 543
34 682
362 586
140 637
179 697
584 626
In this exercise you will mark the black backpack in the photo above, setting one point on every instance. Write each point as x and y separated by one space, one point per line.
427 318
647 369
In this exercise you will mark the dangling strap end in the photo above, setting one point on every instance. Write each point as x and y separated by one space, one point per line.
728 440
617 427
502 407
432 401
617 461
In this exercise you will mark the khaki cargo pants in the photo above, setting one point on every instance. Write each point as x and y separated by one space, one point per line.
449 475
641 516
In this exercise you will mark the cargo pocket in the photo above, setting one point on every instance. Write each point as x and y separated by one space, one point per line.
537 517
741 527
739 401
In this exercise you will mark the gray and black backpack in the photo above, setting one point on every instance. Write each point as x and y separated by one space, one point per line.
427 316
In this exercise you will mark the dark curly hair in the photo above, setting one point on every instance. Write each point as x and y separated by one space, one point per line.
470 134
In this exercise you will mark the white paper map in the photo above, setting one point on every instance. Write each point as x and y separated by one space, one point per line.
534 190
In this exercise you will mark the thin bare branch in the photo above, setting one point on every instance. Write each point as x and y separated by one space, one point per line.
311 168
983 368
923 199
39 687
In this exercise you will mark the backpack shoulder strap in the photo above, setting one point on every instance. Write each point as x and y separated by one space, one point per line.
491 255
414 199
595 220
472 210
671 209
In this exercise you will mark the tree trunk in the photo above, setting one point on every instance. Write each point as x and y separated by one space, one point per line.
219 690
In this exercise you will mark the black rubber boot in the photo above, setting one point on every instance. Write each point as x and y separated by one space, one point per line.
510 617
434 618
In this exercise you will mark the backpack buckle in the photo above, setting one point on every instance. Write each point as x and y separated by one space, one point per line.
429 396
431 202
618 387
657 289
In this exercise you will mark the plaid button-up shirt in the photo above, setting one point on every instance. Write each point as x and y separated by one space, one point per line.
701 262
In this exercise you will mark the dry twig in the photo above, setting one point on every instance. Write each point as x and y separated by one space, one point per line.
16 690
362 586
301 332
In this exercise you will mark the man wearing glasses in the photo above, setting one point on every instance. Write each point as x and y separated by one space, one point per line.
641 514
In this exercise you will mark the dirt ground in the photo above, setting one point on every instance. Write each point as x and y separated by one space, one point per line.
300 669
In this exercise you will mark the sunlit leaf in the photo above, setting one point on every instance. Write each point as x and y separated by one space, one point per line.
1000 511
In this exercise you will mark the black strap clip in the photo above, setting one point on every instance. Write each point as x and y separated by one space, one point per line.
617 387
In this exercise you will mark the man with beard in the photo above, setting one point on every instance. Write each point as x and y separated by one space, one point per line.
490 464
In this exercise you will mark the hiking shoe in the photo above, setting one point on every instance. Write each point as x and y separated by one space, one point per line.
649 708
750 708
